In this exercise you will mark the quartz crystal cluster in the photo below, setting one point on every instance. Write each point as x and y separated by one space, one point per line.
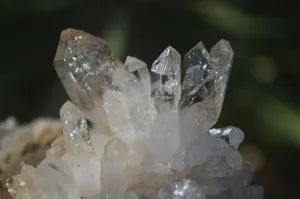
131 133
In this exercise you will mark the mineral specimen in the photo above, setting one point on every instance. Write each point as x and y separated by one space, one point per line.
151 135
25 143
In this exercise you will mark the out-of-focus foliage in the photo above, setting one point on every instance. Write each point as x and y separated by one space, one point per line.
263 92
229 18
13 7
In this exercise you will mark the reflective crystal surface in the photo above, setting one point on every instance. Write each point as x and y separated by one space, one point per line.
205 81
221 57
184 189
133 134
84 64
166 74
140 70
196 68
232 135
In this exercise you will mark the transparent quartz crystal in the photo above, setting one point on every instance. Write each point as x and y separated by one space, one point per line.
84 64
184 189
204 84
151 134
165 72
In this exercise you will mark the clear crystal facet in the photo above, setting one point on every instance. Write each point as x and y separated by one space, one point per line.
84 65
184 189
205 82
232 135
140 70
196 67
165 72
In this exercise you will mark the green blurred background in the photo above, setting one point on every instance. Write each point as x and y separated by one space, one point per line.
263 92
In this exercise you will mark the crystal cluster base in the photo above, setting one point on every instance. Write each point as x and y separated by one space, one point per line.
150 134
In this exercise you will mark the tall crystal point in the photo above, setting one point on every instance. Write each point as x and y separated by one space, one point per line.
84 65
82 61
166 80
221 57
196 68
205 81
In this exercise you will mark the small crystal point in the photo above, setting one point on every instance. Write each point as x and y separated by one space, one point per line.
221 55
166 80
183 189
75 127
214 156
133 64
140 69
232 135
113 170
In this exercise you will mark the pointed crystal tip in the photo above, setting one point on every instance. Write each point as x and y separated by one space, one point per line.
167 60
165 72
70 34
74 42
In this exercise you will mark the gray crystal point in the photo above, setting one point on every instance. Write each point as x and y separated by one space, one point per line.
165 73
221 58
196 69
232 135
212 156
183 189
205 80
140 70
74 126
84 65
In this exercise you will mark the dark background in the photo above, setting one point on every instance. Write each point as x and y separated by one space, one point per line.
263 92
